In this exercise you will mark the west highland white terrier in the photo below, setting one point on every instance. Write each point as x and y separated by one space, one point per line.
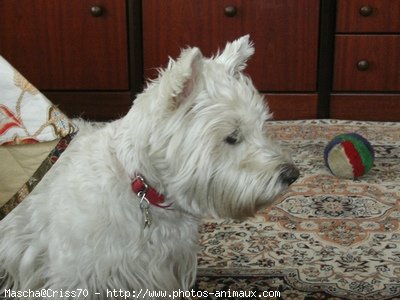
120 210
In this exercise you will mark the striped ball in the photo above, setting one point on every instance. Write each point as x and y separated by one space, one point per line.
349 156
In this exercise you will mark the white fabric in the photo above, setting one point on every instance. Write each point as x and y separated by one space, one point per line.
26 115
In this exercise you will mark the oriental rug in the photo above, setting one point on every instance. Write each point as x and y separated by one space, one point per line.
327 238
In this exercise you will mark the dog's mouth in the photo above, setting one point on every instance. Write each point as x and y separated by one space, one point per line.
262 204
289 174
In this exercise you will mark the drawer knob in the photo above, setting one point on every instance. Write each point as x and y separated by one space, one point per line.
362 65
230 11
96 11
366 10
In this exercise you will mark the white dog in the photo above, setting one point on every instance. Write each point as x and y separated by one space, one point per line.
121 208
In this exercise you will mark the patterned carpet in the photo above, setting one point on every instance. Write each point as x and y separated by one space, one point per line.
327 238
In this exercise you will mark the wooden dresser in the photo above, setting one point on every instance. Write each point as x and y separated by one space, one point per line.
314 58
366 82
285 34
77 52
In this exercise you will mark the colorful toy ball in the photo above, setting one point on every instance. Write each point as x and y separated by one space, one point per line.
349 156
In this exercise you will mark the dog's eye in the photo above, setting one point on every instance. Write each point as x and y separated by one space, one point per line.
232 139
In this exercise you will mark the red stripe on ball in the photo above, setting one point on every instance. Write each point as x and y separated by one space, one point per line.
354 158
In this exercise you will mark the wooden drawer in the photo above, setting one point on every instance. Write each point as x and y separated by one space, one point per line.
61 45
94 106
293 106
285 34
368 16
381 52
373 107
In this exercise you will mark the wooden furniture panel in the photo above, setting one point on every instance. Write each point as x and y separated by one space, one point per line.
97 106
92 66
368 16
61 45
380 57
293 106
374 107
285 34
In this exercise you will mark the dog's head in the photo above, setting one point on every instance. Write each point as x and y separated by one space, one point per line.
209 143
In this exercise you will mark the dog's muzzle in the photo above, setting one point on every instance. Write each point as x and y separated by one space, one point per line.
289 174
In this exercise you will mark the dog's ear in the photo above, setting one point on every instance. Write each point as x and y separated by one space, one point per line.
181 75
236 54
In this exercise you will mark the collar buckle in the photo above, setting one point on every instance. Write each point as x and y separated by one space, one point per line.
143 189
147 194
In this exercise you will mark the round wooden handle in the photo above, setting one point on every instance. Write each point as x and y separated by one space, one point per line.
96 11
366 10
230 11
362 65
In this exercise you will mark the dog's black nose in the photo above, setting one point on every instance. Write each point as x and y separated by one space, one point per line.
289 174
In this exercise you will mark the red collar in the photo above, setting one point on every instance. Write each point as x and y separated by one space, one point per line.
143 190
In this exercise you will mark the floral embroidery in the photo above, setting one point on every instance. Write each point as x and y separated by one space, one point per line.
21 82
7 119
26 116
61 125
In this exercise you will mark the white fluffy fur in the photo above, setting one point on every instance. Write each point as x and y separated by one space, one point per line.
82 226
